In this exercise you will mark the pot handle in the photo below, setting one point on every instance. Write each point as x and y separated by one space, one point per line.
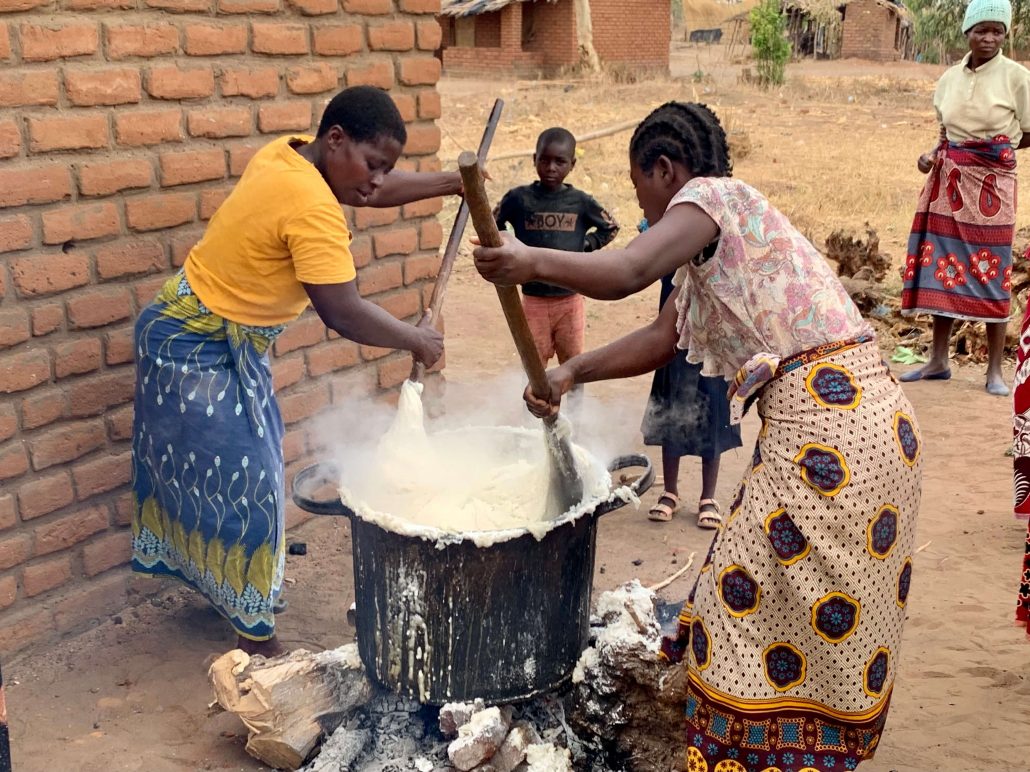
311 479
639 486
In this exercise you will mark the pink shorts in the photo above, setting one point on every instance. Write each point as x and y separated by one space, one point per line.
557 325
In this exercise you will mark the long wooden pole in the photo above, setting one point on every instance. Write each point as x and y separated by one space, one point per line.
567 484
418 369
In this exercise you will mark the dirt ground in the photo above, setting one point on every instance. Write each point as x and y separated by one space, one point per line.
834 148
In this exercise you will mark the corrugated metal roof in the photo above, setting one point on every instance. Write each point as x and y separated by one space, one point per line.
473 7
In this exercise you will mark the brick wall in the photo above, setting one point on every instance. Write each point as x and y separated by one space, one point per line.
634 33
629 34
123 124
868 32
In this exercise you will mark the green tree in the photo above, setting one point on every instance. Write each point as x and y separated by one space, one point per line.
769 43
938 26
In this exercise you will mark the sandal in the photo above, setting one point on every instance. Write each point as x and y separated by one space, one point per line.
663 513
709 514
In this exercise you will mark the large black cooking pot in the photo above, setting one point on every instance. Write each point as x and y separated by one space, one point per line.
442 620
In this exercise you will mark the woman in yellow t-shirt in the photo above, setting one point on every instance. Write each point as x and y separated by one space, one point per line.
208 472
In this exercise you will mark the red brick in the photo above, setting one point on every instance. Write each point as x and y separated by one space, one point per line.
48 317
70 529
394 371
93 396
147 289
368 7
299 405
294 445
181 6
184 168
107 552
214 39
5 42
380 277
99 5
119 347
371 216
312 78
14 327
418 267
77 357
10 138
32 625
119 423
164 210
219 122
420 71
430 164
43 407
429 104
338 39
19 372
124 506
371 353
80 223
332 356
430 234
130 258
19 88
43 577
379 74
73 132
8 591
287 371
284 116
45 495
13 460
429 34
423 139
95 603
211 199
15 551
66 443
15 233
11 6
427 207
397 35
420 6
401 305
44 44
142 40
406 107
253 82
182 243
109 86
101 475
361 251
399 241
112 176
279 39
47 274
180 82
150 127
304 332
248 6
8 512
314 7
97 307
8 428
36 184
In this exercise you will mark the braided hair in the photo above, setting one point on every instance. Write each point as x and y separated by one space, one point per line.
684 132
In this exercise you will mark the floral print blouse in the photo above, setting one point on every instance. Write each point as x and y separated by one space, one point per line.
766 291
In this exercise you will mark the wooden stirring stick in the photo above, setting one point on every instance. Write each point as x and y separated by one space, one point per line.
566 482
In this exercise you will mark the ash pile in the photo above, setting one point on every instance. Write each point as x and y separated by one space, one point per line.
623 710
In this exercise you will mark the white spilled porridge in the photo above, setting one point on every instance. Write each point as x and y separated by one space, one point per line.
491 483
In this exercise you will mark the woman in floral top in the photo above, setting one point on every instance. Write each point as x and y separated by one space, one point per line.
791 635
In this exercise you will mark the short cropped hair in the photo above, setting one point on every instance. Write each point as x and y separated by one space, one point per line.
556 135
365 113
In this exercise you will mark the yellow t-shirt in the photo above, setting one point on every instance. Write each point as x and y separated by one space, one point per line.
982 103
280 226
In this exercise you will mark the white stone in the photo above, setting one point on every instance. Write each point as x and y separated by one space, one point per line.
479 739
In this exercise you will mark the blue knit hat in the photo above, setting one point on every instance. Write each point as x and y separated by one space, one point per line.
987 10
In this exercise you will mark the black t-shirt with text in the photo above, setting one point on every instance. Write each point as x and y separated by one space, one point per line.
567 219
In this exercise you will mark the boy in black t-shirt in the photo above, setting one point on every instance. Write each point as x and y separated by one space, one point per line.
548 213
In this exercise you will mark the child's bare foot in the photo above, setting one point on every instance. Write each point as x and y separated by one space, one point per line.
270 648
